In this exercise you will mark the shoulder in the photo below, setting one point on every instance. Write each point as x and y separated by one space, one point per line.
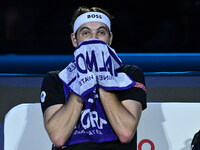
52 91
130 69
52 77
137 92
52 81
52 74
134 72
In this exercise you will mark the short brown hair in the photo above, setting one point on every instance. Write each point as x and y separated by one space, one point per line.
81 10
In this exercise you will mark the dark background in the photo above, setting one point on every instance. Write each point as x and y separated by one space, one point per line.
142 26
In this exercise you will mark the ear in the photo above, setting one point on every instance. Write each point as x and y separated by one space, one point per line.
110 39
74 40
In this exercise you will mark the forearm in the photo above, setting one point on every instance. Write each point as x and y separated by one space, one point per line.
123 121
61 123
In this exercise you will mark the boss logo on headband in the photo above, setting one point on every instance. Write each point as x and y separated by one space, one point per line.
94 16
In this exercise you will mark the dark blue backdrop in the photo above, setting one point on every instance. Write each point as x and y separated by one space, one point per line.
148 62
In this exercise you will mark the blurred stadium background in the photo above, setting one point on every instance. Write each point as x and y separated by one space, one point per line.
161 37
43 27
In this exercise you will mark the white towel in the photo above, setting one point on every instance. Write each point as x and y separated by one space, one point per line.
94 65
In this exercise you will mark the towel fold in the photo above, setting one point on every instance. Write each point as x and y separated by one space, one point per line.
94 65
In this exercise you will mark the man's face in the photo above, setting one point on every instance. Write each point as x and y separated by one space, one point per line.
89 30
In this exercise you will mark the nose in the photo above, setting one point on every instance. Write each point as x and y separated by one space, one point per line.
94 35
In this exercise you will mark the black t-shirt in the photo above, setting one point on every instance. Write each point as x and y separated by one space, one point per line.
52 93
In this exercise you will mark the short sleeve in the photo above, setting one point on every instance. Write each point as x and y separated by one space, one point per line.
137 92
51 91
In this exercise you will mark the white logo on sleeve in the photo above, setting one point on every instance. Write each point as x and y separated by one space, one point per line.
43 96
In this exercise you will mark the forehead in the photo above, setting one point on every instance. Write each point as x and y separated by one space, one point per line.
94 25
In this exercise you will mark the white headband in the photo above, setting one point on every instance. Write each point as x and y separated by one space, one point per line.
89 17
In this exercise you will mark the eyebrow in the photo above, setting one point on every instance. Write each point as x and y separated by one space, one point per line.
101 27
84 28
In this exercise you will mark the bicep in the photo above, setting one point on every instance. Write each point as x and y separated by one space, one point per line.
134 108
50 111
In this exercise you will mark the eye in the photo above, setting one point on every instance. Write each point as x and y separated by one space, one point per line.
101 32
85 33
